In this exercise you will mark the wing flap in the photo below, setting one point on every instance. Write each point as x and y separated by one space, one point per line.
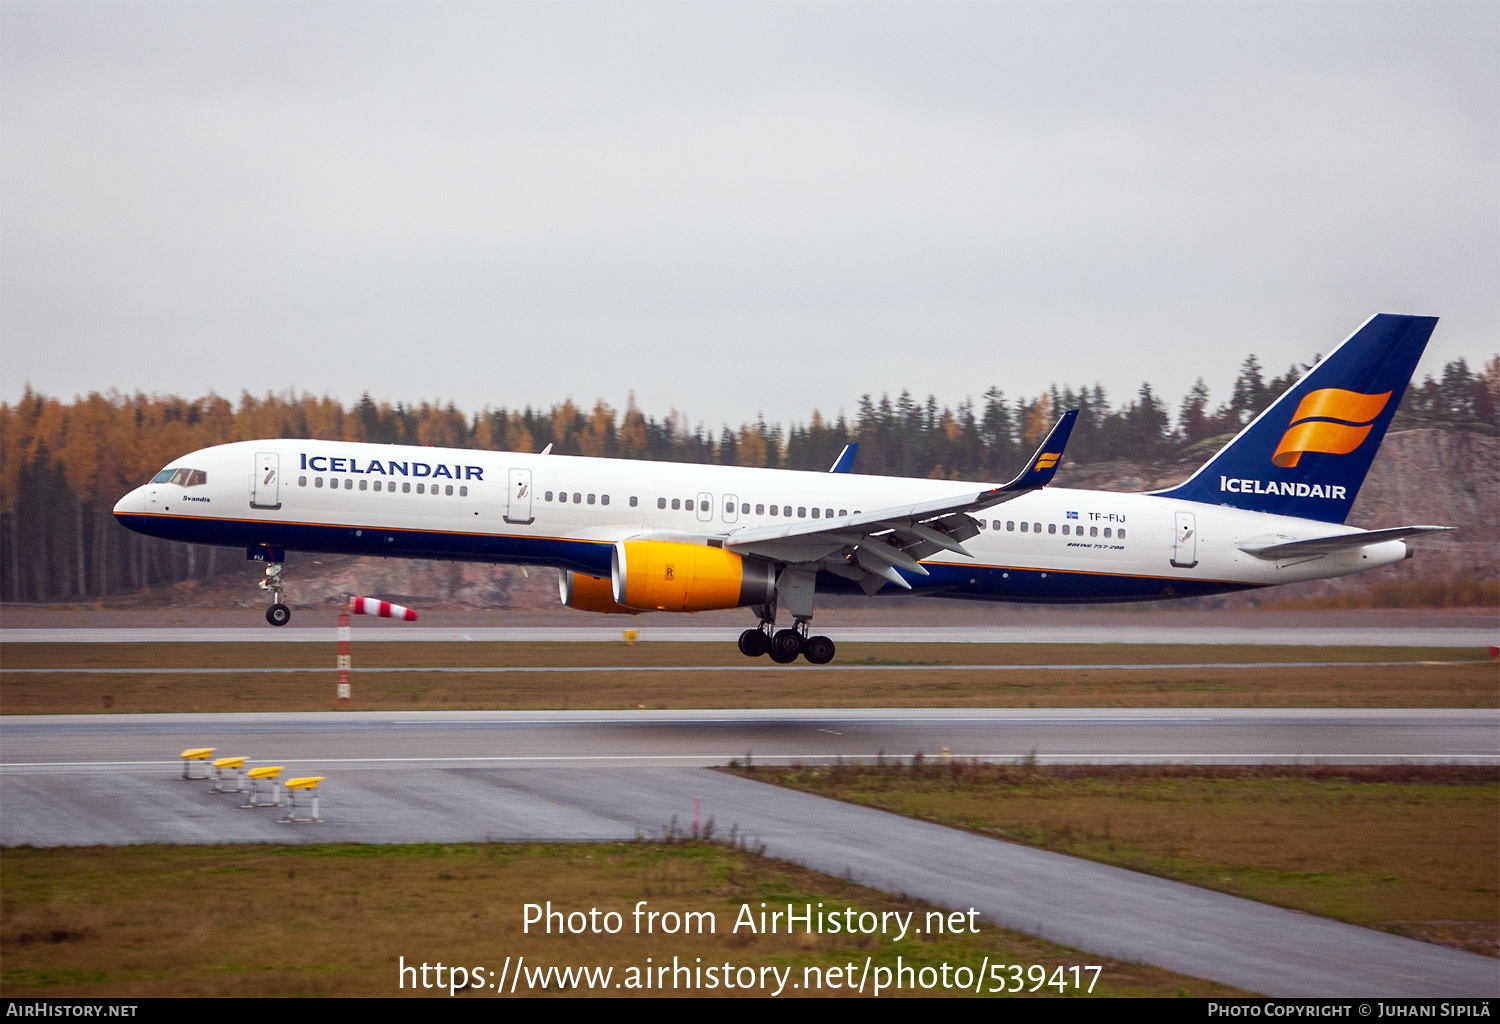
1274 546
874 547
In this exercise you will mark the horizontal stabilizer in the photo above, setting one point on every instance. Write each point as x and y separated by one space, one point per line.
1274 546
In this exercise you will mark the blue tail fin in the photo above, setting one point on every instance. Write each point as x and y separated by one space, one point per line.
1308 454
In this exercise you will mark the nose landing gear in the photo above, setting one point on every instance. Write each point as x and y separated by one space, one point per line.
278 614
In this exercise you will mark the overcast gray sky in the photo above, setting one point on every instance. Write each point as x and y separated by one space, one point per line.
730 208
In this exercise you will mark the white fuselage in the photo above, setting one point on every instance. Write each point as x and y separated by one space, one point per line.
1050 545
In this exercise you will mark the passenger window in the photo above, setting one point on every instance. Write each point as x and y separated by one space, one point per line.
375 485
828 513
1010 524
1024 527
348 483
302 481
633 501
463 492
801 512
1093 531
842 512
421 488
760 510
547 496
364 485
591 499
1051 527
786 510
406 487
577 498
1121 534
745 509
1036 528
729 508
815 514
676 504
604 499
774 510
448 490
1106 533
661 502
317 481
1065 529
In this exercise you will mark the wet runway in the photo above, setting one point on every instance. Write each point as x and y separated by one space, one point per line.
474 776
374 739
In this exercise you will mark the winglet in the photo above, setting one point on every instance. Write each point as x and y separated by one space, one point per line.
845 462
1043 465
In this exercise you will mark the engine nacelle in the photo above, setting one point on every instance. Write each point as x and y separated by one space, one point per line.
655 575
590 594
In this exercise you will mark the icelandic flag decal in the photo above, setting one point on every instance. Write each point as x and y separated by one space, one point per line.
1072 515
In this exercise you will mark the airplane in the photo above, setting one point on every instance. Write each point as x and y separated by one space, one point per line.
628 536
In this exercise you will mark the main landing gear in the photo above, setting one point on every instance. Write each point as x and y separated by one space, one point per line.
783 645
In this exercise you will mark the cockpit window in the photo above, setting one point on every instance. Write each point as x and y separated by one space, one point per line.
181 477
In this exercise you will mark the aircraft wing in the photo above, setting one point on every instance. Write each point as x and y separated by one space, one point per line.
868 547
1276 546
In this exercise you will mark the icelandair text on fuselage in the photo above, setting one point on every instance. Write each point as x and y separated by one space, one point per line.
390 467
1239 486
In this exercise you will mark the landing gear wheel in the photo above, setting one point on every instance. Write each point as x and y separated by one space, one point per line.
754 643
278 615
785 646
818 650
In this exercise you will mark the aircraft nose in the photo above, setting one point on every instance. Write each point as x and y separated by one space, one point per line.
135 501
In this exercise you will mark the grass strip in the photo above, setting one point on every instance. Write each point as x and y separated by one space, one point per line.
635 682
1413 850
333 920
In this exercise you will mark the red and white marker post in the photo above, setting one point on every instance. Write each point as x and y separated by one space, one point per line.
362 606
344 662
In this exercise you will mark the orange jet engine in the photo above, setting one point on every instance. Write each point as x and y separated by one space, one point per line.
655 575
590 594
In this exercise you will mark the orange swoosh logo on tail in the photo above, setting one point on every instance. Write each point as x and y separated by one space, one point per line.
1313 427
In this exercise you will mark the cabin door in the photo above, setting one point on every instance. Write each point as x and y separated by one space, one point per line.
1185 546
265 491
518 508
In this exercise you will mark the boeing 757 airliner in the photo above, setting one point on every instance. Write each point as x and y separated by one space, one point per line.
629 536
